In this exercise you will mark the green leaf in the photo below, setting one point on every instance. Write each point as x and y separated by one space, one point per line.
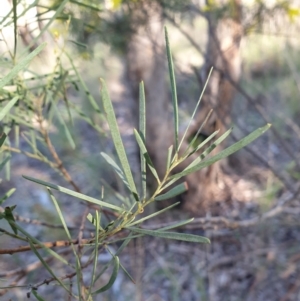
2 138
126 201
225 153
38 297
2 164
78 264
17 135
20 120
10 217
121 266
7 170
91 219
169 157
53 96
117 169
75 194
15 16
172 226
203 143
63 123
152 215
85 88
177 224
62 219
109 226
117 240
173 88
90 6
127 273
20 66
94 221
33 141
95 261
86 118
145 153
179 189
119 251
112 278
142 132
7 195
172 235
78 43
37 242
196 108
47 267
8 106
112 122
210 148
193 142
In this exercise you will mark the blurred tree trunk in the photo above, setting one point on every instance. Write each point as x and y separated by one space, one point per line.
145 56
146 61
29 27
207 187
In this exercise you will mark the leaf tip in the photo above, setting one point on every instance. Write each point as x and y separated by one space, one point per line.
102 83
206 240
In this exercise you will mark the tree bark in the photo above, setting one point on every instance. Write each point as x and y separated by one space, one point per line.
207 187
146 62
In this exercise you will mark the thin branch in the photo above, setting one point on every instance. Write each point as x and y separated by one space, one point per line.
14 283
27 220
12 235
54 154
31 267
54 244
233 259
67 276
223 222
30 155
81 229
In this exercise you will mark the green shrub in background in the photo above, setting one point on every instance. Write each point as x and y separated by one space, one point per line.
39 101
